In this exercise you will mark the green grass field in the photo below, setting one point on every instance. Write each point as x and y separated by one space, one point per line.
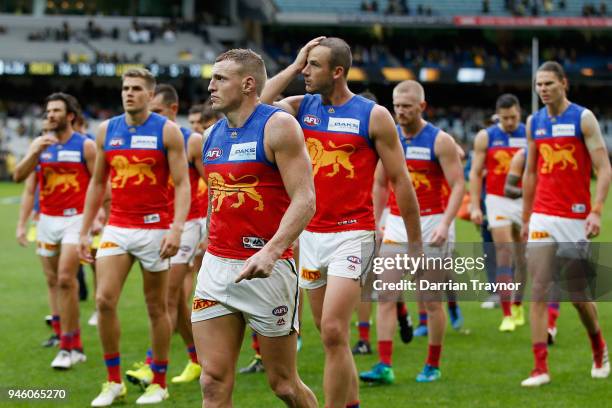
480 369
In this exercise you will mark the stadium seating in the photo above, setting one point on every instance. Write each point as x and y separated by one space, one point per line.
439 7
17 43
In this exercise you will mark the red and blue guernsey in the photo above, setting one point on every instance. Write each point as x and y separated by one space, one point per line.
139 173
343 159
563 166
63 178
425 171
248 197
195 210
500 150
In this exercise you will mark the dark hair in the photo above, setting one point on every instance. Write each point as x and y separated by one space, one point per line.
168 93
340 55
206 111
555 68
506 101
70 102
369 95
250 63
196 109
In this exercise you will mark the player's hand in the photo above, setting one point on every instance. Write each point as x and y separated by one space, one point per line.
302 57
21 236
42 142
476 216
439 235
170 244
593 225
259 265
525 231
84 249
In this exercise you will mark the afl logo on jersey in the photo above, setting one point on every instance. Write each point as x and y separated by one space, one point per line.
214 154
311 120
116 142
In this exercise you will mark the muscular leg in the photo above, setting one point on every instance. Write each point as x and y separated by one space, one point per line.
577 277
316 298
112 272
340 300
386 315
49 265
520 264
279 356
540 261
155 285
436 322
68 267
176 295
218 344
502 236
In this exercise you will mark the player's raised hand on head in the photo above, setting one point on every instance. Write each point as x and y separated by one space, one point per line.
302 57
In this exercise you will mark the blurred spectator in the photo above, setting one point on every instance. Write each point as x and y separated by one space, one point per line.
369 6
397 7
486 8
548 6
169 35
139 34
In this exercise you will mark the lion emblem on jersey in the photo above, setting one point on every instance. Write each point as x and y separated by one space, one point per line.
125 170
503 159
319 157
563 155
222 190
419 179
55 179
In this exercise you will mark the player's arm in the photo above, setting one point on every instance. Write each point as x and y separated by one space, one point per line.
517 165
380 193
195 144
277 84
478 159
89 154
445 149
530 179
177 163
25 209
601 164
96 192
383 132
30 160
285 141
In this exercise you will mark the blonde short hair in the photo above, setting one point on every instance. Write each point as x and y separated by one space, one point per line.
143 73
